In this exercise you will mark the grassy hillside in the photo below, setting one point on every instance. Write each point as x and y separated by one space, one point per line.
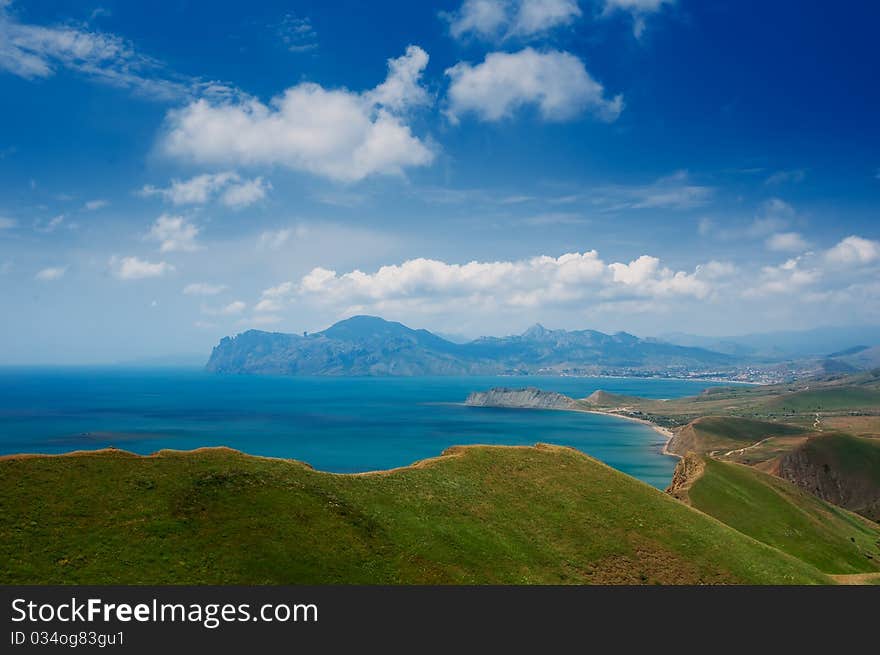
477 515
778 513
720 434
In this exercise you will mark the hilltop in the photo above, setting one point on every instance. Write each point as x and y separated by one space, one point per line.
476 515
368 345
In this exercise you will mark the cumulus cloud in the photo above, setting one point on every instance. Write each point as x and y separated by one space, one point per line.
133 268
204 289
787 242
505 19
569 280
233 190
638 9
854 250
402 89
174 234
52 273
557 83
334 133
835 273
789 277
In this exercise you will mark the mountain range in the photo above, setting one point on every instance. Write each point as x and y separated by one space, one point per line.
368 345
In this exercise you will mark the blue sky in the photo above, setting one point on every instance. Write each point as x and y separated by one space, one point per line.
174 172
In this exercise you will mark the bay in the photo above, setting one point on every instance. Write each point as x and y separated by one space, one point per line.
342 425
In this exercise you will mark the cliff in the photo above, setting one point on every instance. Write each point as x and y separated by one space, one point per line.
529 397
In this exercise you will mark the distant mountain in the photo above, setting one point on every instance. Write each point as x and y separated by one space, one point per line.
367 345
817 342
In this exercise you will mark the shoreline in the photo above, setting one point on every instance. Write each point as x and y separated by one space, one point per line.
666 432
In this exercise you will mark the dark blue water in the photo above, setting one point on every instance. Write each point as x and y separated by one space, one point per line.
334 424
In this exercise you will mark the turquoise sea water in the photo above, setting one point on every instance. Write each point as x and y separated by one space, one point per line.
334 424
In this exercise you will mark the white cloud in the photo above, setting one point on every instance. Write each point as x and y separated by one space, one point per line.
246 193
338 134
789 277
52 273
268 305
854 250
484 18
638 9
504 19
556 82
648 278
7 223
402 88
204 289
174 233
94 205
36 51
194 191
133 268
571 280
787 242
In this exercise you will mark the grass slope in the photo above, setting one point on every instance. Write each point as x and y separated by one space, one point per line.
477 515
778 513
725 433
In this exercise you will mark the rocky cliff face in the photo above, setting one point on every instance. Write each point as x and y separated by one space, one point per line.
826 471
688 470
529 397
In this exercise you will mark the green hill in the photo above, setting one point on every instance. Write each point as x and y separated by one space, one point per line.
780 514
542 515
725 433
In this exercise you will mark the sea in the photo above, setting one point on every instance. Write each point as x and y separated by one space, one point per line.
337 424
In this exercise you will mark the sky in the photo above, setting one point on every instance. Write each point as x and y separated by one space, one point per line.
175 172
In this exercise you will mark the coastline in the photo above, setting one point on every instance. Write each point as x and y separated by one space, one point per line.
666 432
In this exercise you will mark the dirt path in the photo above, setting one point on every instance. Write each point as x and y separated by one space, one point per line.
857 578
740 451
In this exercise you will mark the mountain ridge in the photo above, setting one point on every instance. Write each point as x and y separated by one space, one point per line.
369 345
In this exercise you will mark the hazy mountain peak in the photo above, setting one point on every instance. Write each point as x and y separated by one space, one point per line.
537 331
